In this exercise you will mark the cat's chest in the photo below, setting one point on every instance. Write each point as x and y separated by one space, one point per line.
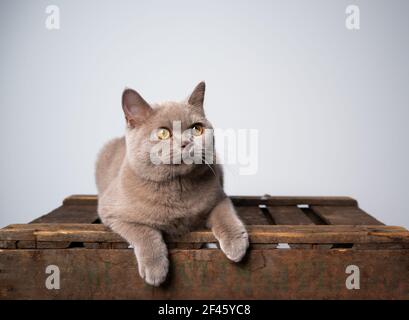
184 215
184 203
182 207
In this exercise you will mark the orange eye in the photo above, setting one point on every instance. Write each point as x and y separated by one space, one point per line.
163 134
197 129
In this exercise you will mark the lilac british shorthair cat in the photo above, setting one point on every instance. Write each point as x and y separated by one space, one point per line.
142 199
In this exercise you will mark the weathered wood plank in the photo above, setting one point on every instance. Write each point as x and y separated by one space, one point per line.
53 244
206 274
16 235
97 245
257 234
252 215
345 215
290 215
54 226
23 244
8 244
78 213
246 200
374 246
81 199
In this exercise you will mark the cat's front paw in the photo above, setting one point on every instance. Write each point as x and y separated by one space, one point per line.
154 271
235 247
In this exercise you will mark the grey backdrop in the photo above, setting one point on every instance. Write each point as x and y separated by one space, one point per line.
331 104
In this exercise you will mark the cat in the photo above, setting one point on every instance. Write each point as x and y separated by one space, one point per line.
142 200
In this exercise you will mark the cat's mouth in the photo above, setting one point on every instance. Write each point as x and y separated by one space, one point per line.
186 156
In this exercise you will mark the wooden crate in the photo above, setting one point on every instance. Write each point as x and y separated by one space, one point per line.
301 248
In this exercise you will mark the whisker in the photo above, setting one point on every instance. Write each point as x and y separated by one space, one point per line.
209 166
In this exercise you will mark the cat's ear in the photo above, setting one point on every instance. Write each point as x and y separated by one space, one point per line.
197 97
136 109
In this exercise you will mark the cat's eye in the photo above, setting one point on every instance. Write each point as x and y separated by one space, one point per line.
163 134
197 129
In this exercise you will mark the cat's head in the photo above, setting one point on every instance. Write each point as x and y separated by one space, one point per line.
169 139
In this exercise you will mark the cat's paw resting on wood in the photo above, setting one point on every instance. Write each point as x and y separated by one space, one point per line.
162 177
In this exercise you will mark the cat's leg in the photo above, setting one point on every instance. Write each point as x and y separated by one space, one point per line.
228 230
150 250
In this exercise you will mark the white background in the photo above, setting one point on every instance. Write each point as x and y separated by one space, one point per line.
330 104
